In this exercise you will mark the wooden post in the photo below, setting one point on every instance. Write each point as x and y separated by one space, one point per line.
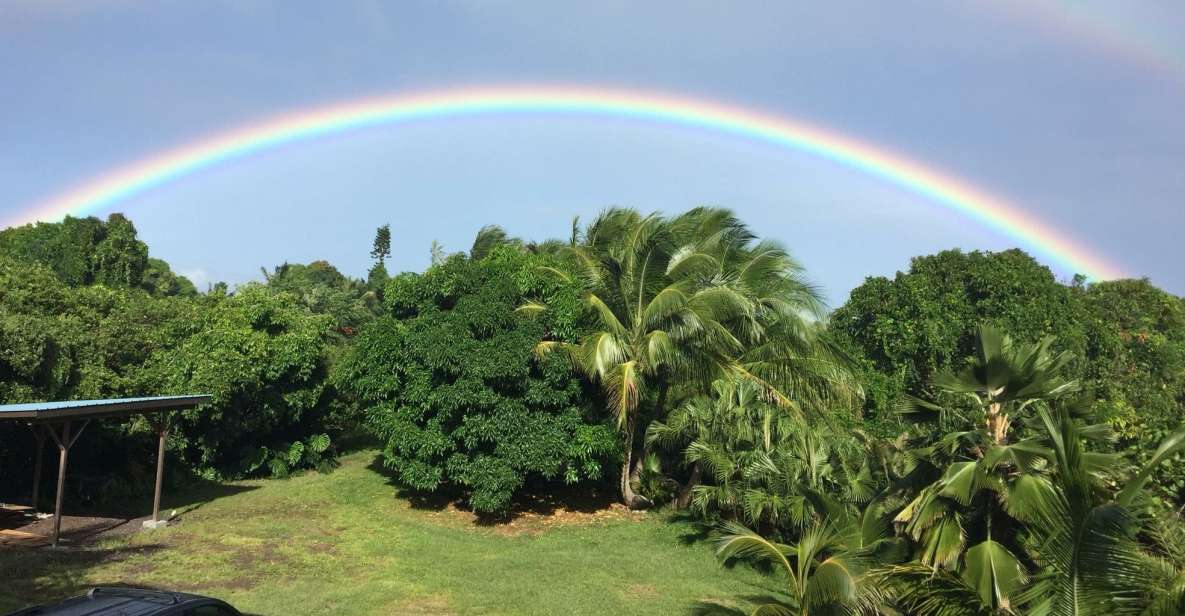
40 436
65 442
63 451
162 435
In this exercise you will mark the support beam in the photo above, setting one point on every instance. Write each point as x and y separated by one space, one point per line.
40 436
63 443
162 426
162 437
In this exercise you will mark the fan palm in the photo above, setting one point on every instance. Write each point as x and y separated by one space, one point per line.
964 515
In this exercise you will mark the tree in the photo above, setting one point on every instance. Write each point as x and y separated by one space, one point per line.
263 357
159 280
489 237
965 518
82 251
676 302
449 382
828 569
1136 343
910 328
382 244
324 290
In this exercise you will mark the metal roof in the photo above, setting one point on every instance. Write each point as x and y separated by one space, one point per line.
91 409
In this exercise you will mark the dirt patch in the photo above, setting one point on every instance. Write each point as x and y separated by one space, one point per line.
76 530
640 591
532 515
533 523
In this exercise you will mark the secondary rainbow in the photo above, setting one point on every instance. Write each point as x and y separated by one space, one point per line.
939 187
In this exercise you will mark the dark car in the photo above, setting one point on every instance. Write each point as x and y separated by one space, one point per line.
133 602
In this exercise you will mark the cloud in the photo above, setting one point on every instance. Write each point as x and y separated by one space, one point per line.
199 277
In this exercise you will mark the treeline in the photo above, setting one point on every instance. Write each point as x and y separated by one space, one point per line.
953 428
85 313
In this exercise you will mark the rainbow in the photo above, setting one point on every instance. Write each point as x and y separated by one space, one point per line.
939 187
1100 25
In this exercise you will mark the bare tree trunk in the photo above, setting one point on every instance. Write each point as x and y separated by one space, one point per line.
684 498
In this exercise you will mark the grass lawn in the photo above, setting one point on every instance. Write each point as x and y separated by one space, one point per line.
343 542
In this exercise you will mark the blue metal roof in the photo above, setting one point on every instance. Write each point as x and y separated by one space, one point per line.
81 409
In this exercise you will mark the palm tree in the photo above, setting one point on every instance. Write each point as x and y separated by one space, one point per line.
964 514
1094 551
488 238
1037 522
828 568
758 459
682 301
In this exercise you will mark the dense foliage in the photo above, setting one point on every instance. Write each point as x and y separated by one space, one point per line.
73 327
449 381
1126 340
971 436
84 251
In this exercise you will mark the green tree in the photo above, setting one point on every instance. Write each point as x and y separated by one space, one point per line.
684 301
829 569
263 357
449 382
82 251
1137 369
919 324
965 518
381 249
160 280
120 258
324 290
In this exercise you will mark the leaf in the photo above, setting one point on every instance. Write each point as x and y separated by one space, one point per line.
961 481
295 453
319 443
994 573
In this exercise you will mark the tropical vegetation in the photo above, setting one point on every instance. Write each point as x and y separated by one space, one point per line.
972 436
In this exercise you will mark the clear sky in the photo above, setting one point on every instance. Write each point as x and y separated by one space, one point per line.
1072 111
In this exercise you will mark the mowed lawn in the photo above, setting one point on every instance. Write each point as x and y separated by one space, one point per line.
345 543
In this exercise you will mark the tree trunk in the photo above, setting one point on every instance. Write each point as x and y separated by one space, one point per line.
629 470
684 498
997 423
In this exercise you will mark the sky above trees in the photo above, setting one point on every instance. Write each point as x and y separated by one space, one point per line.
1074 116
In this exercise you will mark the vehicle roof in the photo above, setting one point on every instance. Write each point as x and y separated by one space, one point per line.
107 601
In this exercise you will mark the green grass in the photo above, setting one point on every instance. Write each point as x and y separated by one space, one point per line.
343 542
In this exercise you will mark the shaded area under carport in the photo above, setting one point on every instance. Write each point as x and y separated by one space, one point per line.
62 423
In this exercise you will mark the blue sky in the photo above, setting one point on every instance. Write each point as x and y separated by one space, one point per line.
1082 127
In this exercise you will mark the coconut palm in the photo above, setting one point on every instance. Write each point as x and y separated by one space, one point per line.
681 301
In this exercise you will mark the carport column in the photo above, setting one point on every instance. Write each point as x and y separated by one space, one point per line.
64 442
40 436
63 451
162 437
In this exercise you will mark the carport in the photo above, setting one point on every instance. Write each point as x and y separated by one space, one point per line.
64 422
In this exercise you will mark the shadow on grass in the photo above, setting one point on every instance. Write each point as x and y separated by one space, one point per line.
539 499
53 594
40 575
714 608
83 524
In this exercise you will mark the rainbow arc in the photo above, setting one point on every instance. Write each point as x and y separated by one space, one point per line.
938 187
